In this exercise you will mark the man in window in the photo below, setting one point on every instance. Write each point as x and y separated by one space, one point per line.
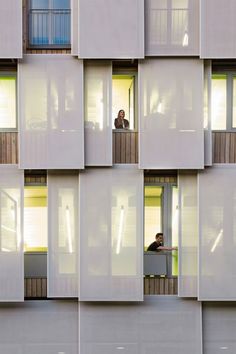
158 245
120 121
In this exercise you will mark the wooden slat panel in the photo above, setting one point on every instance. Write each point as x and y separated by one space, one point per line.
8 147
35 288
126 147
160 286
224 147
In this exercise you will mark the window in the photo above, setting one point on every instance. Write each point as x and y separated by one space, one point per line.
162 215
7 101
49 23
35 219
123 97
223 101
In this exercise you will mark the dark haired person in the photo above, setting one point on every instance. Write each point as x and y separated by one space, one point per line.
158 244
120 122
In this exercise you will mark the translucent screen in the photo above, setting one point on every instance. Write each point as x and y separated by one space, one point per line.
218 102
7 102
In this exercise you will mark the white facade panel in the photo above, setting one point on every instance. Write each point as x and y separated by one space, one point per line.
188 235
11 241
160 325
111 234
217 225
98 114
74 27
171 114
63 235
11 29
111 29
51 112
218 27
36 327
219 327
207 114
172 27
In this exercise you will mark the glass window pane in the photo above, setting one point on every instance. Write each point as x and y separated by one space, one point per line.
7 102
218 103
123 97
234 103
35 219
39 4
175 228
61 4
153 213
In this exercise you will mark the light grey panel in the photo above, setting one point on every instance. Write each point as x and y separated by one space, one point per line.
111 29
219 328
160 325
217 226
207 114
218 29
36 327
171 27
11 29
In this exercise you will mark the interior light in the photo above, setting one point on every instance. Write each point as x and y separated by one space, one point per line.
121 224
217 240
187 130
120 348
8 228
101 115
5 250
223 348
159 108
185 39
68 226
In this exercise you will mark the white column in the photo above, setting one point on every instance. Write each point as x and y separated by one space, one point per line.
98 113
111 234
11 245
51 112
62 235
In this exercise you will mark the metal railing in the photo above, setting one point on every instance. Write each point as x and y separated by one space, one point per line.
49 27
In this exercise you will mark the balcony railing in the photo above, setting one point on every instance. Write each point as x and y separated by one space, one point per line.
49 28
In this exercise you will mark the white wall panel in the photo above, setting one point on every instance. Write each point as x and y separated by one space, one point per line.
188 235
36 327
172 27
51 112
74 27
160 325
111 29
62 235
218 29
171 114
217 226
219 327
207 114
111 234
11 29
98 114
11 245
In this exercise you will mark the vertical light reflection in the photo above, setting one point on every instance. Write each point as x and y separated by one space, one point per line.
120 231
68 226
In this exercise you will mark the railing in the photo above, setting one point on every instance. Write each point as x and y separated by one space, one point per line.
49 28
169 26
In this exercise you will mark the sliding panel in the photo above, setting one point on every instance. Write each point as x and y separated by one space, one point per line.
51 112
217 233
188 235
62 235
172 27
160 325
74 27
171 114
11 245
11 29
111 234
98 113
111 29
219 327
218 29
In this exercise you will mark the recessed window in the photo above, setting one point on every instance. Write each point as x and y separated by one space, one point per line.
35 219
7 101
123 98
49 23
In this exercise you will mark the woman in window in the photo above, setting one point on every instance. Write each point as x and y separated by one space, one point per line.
120 121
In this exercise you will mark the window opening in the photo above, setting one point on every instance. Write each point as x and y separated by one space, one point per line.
7 101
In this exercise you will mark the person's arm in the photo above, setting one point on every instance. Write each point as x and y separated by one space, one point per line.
163 248
116 123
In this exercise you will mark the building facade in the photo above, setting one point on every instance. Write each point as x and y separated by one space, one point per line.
81 200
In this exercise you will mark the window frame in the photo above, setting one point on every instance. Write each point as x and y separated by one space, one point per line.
134 73
230 75
12 74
